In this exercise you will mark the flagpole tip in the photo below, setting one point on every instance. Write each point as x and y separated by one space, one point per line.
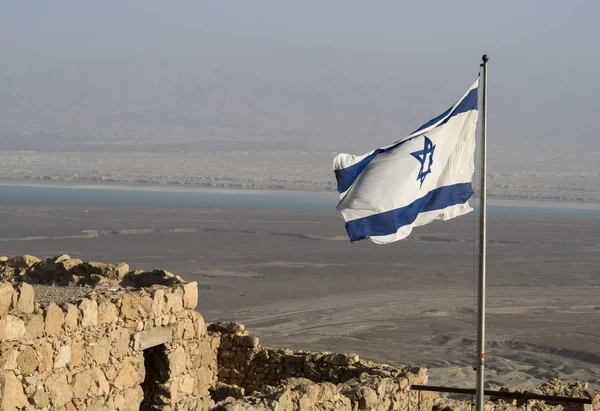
485 58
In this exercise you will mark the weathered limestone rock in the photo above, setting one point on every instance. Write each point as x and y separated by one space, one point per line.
140 278
177 361
59 389
130 400
99 271
228 327
89 313
28 362
12 328
152 337
130 375
107 313
25 301
145 308
39 398
120 342
8 359
6 297
342 359
181 387
68 264
71 316
190 295
96 404
176 300
158 303
200 327
45 355
22 261
62 258
99 351
77 353
205 379
35 326
248 341
90 383
12 396
63 357
54 319
130 304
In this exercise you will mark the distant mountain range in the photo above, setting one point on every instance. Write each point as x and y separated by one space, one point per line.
317 100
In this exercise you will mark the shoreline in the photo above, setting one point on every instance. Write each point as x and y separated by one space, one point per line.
160 188
495 201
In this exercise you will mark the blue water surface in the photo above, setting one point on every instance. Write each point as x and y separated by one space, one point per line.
241 200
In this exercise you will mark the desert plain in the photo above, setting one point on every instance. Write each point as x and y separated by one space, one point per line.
296 281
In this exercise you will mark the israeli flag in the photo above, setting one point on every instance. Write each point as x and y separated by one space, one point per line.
420 178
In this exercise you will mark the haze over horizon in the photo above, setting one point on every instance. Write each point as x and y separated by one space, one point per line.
339 76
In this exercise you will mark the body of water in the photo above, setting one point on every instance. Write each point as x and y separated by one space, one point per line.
248 200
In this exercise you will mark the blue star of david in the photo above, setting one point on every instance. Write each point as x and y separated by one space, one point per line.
421 155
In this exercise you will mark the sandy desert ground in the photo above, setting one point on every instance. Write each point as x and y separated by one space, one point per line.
296 281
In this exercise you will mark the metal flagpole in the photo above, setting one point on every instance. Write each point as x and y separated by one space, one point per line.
479 389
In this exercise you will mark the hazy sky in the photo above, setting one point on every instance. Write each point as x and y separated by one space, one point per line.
545 30
544 54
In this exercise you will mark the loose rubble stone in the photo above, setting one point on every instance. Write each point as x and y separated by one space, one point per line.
229 327
130 305
35 326
59 389
62 258
158 303
71 316
99 350
101 271
90 383
96 404
54 319
131 374
89 313
8 359
132 399
40 399
6 297
28 362
63 357
177 361
12 396
12 328
120 342
45 355
107 312
26 298
22 261
190 295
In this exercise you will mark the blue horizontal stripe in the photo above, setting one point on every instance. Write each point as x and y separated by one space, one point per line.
346 176
467 103
390 221
433 120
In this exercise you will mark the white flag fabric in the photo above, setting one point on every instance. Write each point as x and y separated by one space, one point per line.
423 177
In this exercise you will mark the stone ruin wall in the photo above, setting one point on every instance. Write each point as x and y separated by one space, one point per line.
132 340
88 354
259 379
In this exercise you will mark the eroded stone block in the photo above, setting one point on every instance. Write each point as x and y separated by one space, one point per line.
152 337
